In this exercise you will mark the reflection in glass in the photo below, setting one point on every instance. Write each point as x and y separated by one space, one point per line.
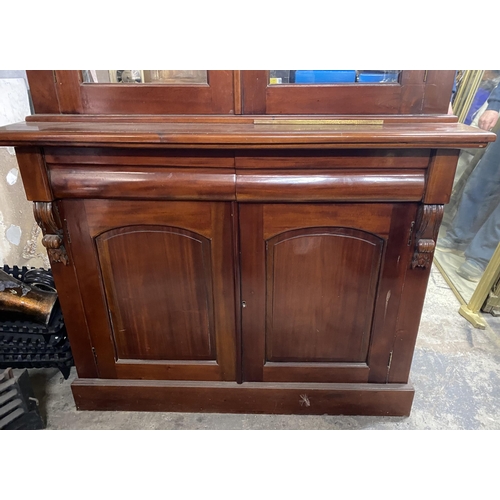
151 76
489 81
471 225
175 76
277 77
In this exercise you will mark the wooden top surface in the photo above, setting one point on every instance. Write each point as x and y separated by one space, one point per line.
245 133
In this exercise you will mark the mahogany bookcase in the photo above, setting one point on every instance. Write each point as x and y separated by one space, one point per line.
237 246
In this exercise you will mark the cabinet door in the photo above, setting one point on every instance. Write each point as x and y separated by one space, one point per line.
70 92
320 289
156 280
407 92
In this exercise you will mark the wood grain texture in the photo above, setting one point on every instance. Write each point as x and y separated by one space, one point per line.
396 262
398 135
438 87
167 370
165 273
416 92
315 372
440 177
169 289
223 99
90 286
306 319
195 118
68 88
216 97
412 91
408 322
227 397
253 275
105 215
314 159
237 92
43 91
329 185
235 240
223 265
413 292
316 290
372 217
139 157
253 91
34 173
75 321
333 99
146 183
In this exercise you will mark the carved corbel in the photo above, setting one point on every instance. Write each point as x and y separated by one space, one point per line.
426 231
48 219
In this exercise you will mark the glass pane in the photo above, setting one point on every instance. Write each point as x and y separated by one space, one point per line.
153 76
470 230
299 76
475 95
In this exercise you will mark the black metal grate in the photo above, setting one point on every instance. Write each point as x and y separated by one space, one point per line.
18 406
24 344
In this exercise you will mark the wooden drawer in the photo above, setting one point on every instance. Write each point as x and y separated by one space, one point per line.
72 181
330 185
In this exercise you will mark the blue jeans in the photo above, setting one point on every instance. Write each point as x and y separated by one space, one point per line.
476 225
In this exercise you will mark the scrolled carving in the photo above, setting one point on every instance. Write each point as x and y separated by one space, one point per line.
426 231
48 219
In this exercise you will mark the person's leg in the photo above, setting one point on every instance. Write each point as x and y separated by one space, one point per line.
479 199
481 248
466 163
486 240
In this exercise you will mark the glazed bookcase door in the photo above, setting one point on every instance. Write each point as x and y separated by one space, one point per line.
157 285
320 290
66 92
414 92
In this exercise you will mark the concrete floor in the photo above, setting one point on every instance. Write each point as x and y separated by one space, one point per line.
456 374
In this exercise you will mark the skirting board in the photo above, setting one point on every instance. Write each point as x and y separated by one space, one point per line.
249 397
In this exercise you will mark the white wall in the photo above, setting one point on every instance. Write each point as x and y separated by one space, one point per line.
20 236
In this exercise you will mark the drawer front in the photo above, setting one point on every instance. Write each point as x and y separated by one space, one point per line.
110 182
71 181
329 185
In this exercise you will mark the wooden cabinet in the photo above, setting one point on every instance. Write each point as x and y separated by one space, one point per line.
310 277
266 263
150 271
